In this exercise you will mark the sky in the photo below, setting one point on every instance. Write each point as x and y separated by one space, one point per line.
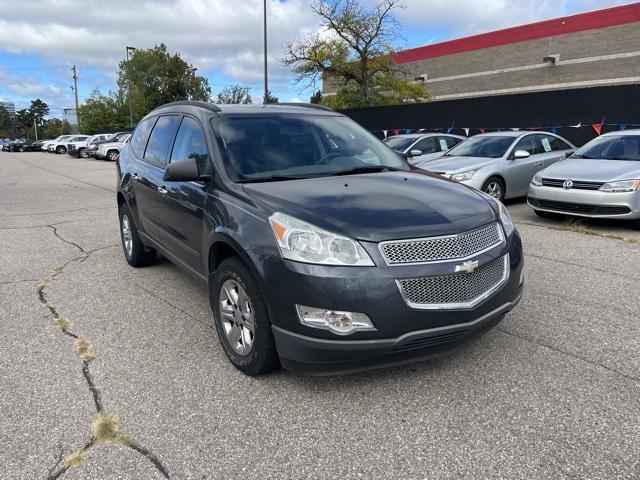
41 39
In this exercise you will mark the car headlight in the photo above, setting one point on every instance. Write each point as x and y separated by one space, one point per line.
505 219
461 177
537 180
303 242
621 186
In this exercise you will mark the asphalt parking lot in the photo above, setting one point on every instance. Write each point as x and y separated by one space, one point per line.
552 392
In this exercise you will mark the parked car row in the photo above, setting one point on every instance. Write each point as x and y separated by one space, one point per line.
102 146
600 180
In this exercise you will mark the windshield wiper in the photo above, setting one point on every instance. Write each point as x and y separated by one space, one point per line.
367 169
274 178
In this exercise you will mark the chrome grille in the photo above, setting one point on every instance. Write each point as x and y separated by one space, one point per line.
450 247
577 184
461 290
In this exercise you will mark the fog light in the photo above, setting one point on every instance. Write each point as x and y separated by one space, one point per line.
339 322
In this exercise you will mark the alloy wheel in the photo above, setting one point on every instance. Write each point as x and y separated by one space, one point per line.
238 318
494 189
127 236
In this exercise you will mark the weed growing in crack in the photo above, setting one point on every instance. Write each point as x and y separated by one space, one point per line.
76 459
106 427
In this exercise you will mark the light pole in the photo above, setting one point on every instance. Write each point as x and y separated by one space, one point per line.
132 49
266 82
75 91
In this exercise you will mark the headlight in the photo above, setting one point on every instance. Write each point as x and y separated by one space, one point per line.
339 322
537 180
303 242
505 219
621 186
461 177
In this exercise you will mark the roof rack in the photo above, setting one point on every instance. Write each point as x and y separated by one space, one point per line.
207 105
307 105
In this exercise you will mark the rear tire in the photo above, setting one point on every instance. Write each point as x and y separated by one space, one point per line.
245 330
134 250
82 153
495 187
61 149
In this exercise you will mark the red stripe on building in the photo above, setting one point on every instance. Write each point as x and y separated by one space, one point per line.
608 17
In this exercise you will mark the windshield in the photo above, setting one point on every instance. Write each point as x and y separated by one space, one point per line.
486 147
619 147
399 143
274 146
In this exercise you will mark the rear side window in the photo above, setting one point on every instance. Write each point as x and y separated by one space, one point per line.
161 139
553 144
191 143
141 135
447 142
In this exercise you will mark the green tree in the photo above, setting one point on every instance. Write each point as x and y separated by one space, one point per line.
316 97
355 55
23 124
38 110
157 77
100 112
270 98
55 127
235 94
6 122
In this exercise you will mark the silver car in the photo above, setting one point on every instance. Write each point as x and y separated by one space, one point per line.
111 150
422 147
501 164
600 180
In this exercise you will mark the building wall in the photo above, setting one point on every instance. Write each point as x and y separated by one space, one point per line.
9 107
596 57
592 57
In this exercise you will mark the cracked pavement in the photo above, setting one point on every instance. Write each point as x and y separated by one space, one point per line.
552 392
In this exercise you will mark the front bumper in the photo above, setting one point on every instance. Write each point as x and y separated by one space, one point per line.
403 334
585 203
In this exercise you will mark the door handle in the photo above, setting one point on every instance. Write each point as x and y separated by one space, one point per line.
162 190
538 164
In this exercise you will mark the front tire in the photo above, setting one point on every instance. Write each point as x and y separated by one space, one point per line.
21 149
495 187
61 149
112 155
241 318
134 250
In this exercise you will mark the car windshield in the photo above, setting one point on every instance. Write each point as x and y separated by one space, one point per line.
618 147
399 143
278 147
486 147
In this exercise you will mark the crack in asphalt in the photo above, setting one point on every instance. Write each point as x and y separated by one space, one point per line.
569 354
579 265
35 214
106 427
150 292
583 231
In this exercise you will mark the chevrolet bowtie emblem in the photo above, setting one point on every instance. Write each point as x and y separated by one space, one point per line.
467 267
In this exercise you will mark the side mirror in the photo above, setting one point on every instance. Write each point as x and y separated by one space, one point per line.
184 171
521 154
415 153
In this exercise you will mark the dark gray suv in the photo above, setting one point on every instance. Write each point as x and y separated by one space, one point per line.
323 250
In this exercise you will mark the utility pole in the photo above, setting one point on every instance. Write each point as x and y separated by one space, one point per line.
35 128
129 89
266 83
75 91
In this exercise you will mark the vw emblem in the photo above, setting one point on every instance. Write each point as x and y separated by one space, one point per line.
567 184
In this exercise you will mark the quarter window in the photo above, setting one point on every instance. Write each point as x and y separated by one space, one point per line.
191 143
141 135
160 139
447 142
553 144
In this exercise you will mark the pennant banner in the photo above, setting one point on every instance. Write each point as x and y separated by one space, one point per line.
466 132
597 127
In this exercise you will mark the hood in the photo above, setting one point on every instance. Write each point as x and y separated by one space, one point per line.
422 159
378 206
458 164
593 170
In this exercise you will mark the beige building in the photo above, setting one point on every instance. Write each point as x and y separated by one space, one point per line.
598 48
